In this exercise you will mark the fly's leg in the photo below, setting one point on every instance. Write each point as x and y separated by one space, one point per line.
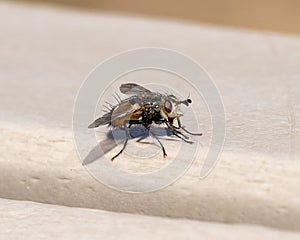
152 133
162 146
178 132
174 130
177 135
142 138
187 131
184 129
125 143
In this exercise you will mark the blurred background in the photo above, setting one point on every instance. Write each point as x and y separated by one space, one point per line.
271 15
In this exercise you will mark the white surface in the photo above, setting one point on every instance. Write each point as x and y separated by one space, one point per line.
27 220
42 165
46 53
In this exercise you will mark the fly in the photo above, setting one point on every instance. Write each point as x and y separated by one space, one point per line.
144 107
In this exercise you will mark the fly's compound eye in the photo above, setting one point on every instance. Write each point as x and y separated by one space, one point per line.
168 106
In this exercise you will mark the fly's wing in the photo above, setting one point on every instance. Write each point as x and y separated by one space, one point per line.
133 89
128 109
105 119
125 111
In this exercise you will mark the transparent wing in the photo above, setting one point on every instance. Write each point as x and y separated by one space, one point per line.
133 89
128 109
103 120
124 111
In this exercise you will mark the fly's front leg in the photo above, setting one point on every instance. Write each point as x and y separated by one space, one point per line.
177 135
178 132
174 130
127 138
184 129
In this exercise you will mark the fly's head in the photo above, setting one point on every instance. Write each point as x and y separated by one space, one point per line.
170 107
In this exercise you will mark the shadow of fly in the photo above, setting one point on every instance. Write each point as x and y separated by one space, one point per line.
144 107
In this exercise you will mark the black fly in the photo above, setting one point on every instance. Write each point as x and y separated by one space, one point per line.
145 107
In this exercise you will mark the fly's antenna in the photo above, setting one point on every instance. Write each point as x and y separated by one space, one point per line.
187 101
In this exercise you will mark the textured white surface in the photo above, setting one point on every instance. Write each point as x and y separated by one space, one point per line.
28 220
241 189
46 53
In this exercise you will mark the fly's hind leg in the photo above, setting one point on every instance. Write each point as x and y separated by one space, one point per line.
124 146
125 143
